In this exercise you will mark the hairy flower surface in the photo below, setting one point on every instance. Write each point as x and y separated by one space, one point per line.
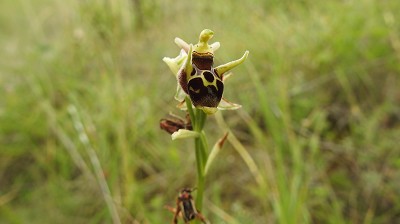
196 76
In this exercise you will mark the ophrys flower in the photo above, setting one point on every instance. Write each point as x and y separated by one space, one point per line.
198 78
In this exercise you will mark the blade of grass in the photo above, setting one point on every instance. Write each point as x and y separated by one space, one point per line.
79 127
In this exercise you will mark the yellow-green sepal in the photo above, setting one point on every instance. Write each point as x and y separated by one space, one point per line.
176 63
223 105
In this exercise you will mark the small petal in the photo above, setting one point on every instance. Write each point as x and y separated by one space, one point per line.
215 46
182 44
183 133
230 65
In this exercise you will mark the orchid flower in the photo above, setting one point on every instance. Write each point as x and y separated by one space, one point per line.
198 78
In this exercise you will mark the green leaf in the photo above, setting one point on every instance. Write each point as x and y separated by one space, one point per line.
214 152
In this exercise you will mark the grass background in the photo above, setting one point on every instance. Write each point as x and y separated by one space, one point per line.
320 117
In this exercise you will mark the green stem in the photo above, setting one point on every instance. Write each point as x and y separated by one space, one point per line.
198 118
205 146
201 118
190 110
200 173
201 156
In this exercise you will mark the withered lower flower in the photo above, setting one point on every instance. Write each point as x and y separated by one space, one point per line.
197 77
174 123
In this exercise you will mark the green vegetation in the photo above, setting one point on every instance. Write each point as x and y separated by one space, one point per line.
83 88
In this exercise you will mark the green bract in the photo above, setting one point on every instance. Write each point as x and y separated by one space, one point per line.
197 77
183 133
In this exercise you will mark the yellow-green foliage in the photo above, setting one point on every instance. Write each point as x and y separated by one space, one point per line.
83 81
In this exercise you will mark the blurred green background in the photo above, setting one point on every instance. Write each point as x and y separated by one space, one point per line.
83 89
